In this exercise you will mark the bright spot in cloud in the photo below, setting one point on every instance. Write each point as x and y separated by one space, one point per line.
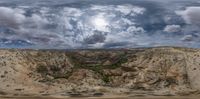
100 23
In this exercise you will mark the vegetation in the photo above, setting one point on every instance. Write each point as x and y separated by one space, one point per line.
53 70
95 62
42 69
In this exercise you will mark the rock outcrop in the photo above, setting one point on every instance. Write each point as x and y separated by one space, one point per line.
152 71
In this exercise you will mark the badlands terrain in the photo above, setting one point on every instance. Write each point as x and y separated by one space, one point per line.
162 71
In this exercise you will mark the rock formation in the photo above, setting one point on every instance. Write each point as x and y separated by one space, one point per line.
142 71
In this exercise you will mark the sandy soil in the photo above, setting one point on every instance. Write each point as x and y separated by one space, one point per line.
109 97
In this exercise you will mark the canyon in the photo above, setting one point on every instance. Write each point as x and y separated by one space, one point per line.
161 71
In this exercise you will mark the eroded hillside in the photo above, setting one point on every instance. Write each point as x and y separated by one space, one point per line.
152 71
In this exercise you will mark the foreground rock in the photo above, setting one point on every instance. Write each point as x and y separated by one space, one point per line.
135 72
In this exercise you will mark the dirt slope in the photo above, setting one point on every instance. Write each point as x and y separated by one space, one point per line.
152 71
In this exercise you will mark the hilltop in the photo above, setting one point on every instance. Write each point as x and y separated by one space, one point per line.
143 71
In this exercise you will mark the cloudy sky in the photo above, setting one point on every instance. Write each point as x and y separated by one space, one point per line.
74 24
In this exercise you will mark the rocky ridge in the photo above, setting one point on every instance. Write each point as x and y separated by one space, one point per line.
145 71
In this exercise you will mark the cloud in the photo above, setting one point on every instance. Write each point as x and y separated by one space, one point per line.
172 28
14 18
129 9
24 28
99 24
72 27
135 30
11 17
187 38
191 15
98 37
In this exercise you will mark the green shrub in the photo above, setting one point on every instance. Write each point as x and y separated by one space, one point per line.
42 69
105 79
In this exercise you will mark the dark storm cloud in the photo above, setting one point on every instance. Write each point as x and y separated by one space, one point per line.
98 37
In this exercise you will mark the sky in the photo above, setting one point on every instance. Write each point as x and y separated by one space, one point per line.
83 24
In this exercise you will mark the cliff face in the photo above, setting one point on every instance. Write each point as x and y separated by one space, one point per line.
153 71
